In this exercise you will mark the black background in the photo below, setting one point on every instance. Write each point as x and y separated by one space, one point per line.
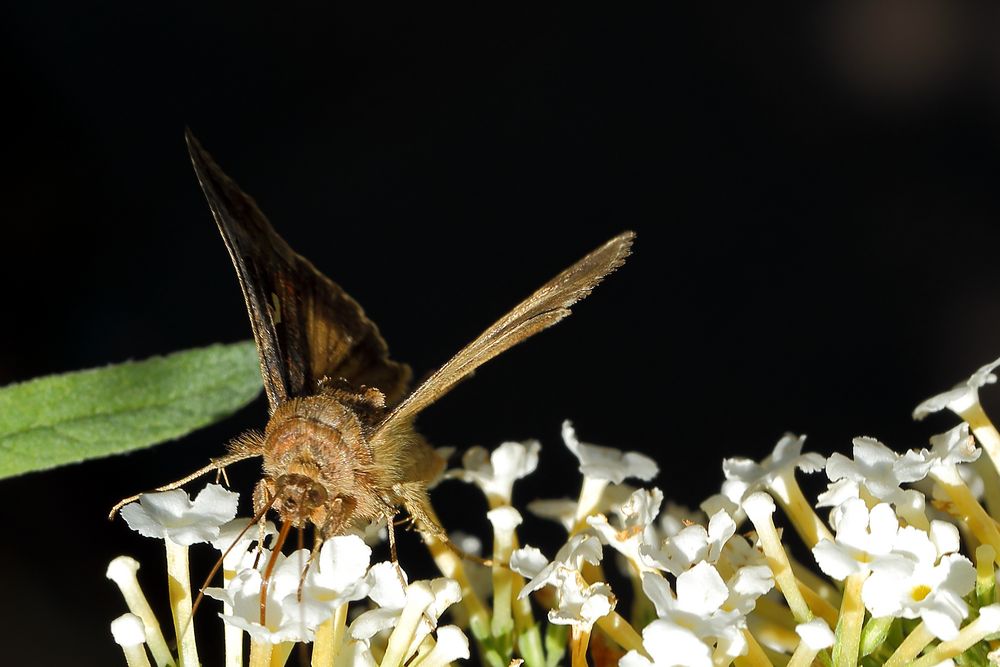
814 192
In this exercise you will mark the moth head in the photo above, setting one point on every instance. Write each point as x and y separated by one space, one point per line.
298 497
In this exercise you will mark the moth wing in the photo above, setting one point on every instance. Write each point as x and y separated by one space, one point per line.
548 305
306 327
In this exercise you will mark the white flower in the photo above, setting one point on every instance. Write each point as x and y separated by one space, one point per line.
746 585
451 644
230 538
745 476
578 550
496 472
953 447
577 602
607 463
128 630
564 510
923 579
242 594
172 515
815 634
638 514
963 396
388 592
692 545
674 518
698 608
862 537
670 646
337 577
528 561
355 653
881 471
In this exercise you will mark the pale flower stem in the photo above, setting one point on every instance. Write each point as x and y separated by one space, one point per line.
503 580
852 616
280 653
985 574
122 571
234 641
803 656
641 606
135 656
979 522
589 501
816 585
799 511
179 582
971 634
418 598
621 632
529 636
776 637
770 610
579 640
233 636
911 647
260 653
991 484
755 656
322 650
818 605
419 648
777 559
329 637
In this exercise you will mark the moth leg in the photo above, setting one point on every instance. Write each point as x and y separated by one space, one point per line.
413 495
317 543
215 464
339 514
263 493
390 524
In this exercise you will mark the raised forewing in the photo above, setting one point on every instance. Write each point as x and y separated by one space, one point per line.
545 307
305 325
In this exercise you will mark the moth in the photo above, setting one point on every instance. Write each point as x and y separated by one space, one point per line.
340 445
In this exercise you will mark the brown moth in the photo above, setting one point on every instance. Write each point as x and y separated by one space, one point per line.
340 445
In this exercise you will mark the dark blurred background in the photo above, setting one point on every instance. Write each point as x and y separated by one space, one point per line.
813 190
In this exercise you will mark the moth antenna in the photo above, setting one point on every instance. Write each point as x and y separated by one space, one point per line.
461 553
259 516
269 569
215 465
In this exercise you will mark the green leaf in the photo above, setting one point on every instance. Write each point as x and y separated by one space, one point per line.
59 419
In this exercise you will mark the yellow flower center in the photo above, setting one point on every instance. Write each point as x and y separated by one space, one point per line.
920 592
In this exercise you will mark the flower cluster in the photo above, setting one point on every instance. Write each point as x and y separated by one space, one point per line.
902 554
